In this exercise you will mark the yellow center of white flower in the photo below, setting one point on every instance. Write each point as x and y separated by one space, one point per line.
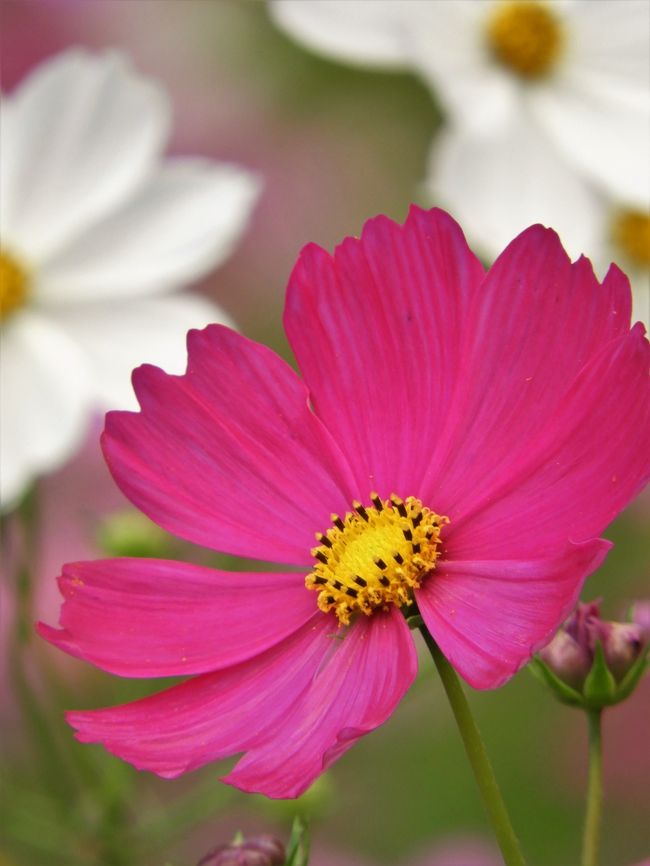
14 284
631 233
526 36
375 556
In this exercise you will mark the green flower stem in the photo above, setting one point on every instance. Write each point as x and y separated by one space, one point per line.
479 761
593 816
55 771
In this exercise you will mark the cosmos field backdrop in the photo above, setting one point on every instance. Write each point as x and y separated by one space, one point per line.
332 145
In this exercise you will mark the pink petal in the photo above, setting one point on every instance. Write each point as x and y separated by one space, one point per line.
213 715
537 322
149 618
353 693
489 617
229 455
377 331
580 470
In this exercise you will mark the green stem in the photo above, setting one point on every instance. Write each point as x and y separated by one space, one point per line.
55 772
479 761
594 813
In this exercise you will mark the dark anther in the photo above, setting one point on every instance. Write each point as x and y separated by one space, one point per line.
336 520
330 599
398 558
337 584
323 539
417 520
360 580
318 579
384 580
361 511
352 592
408 535
320 555
376 501
429 531
379 562
399 505
416 547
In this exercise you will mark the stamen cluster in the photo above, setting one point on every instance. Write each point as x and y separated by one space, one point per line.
525 36
13 284
375 556
631 231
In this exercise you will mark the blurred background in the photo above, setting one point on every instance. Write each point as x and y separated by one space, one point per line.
333 146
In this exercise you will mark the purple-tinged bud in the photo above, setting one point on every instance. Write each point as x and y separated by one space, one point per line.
261 850
640 615
593 662
568 660
622 647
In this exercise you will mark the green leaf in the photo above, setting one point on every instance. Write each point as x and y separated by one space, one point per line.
631 678
600 686
564 692
298 847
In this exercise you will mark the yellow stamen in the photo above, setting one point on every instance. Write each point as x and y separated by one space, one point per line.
631 233
375 556
526 36
14 285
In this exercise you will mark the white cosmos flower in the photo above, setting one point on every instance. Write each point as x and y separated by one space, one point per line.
96 233
578 69
487 182
547 105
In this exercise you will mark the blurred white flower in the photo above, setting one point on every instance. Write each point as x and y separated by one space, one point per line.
627 241
547 107
488 183
96 231
579 70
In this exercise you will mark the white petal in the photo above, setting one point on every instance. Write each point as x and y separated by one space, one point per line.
183 222
7 175
358 31
598 107
498 185
44 401
447 45
641 298
605 134
81 134
116 338
609 41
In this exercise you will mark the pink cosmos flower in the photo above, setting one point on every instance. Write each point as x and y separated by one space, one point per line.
474 432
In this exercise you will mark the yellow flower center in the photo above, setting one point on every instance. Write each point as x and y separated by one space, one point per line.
375 556
14 285
526 36
631 233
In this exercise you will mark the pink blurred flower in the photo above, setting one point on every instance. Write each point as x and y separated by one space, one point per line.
459 852
510 411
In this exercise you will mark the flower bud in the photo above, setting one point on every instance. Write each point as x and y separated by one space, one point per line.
593 662
640 615
263 850
567 659
622 647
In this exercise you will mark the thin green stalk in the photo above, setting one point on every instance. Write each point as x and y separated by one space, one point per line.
479 761
55 772
594 812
